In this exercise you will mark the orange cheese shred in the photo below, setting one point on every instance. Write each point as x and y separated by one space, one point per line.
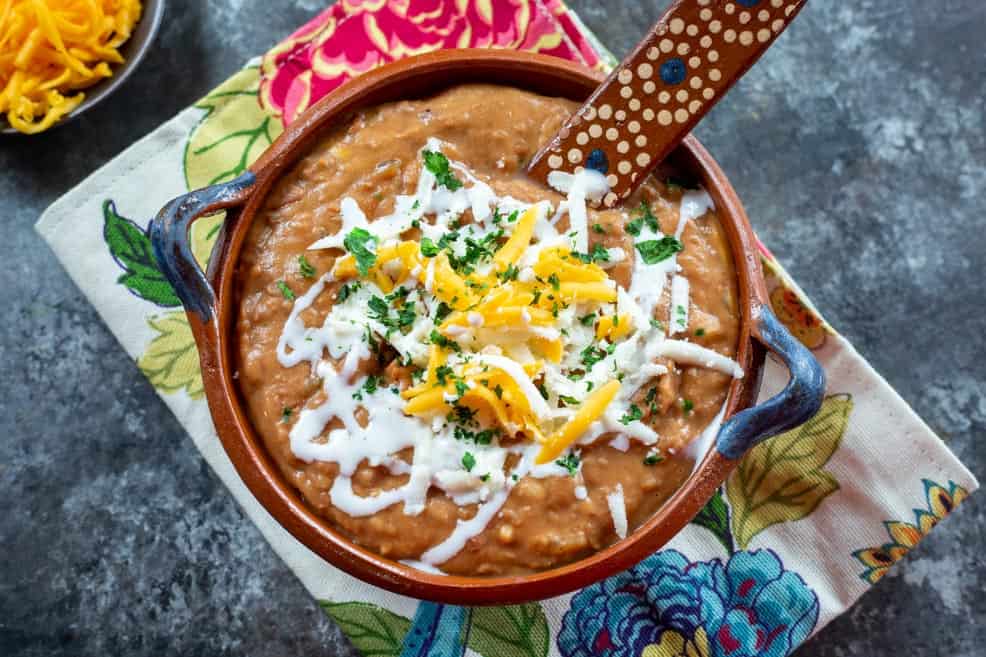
51 49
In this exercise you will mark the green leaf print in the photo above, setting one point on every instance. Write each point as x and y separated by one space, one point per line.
783 479
373 630
516 631
171 361
131 248
714 516
233 133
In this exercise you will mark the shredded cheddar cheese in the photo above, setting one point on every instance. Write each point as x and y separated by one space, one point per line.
51 48
590 411
493 301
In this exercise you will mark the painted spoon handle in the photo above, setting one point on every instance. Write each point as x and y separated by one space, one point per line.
643 110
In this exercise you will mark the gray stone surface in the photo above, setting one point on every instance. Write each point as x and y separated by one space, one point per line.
858 147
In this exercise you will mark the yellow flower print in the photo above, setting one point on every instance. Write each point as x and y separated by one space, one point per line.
674 645
798 317
904 535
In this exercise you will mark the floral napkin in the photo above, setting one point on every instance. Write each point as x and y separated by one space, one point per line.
809 521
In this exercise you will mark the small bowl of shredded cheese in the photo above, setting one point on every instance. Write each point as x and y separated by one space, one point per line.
60 57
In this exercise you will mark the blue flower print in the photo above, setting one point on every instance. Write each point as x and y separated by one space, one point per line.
749 606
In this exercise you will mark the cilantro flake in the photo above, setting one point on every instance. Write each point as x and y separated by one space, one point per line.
286 291
356 243
439 165
305 267
428 248
654 251
632 415
570 462
443 341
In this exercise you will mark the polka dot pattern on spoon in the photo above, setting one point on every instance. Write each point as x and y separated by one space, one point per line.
694 54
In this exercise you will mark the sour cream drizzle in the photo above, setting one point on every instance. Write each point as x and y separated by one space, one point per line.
438 453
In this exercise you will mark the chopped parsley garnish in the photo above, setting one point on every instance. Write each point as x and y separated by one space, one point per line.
370 340
569 401
468 461
512 217
479 250
484 478
462 415
439 165
428 248
286 415
599 253
542 390
687 405
498 391
442 311
484 437
417 374
346 291
646 218
305 267
699 332
443 341
651 400
570 462
406 315
555 282
537 296
598 228
632 415
588 320
653 458
356 244
369 386
461 388
286 292
442 372
659 325
509 274
399 293
654 251
592 355
380 311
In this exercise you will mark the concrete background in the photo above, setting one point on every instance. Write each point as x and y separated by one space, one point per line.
858 147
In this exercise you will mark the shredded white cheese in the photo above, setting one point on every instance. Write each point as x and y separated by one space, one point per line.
618 509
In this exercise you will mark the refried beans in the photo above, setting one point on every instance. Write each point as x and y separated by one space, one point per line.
462 369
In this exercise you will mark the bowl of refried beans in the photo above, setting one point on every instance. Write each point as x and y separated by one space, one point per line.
456 382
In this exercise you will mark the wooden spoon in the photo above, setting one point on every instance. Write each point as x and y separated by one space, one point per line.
681 69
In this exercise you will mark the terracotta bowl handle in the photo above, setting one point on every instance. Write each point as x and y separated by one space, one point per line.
800 400
169 239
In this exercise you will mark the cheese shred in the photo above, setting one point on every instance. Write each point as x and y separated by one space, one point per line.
51 48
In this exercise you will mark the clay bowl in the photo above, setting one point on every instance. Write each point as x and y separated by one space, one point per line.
210 302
